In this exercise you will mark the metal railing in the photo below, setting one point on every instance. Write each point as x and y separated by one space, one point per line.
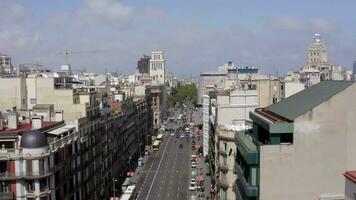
25 175
54 146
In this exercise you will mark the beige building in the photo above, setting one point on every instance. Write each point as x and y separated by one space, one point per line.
234 107
298 148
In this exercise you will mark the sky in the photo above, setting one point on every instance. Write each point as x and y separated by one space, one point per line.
196 36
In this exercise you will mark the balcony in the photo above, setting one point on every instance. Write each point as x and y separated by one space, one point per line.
246 147
222 153
6 195
24 175
60 143
7 153
242 186
223 167
222 183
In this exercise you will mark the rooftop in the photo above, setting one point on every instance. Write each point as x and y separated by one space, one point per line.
23 127
351 175
303 101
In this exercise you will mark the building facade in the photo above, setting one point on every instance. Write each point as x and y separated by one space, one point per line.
303 133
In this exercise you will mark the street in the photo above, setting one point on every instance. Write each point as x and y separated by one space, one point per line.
166 174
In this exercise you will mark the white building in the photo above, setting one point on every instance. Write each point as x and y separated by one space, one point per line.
157 68
6 65
206 108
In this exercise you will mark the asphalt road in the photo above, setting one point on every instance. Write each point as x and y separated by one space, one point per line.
166 174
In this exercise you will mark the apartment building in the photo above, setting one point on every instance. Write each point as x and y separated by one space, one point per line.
298 148
38 158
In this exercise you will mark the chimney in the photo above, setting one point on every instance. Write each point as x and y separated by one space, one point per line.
58 116
12 120
37 122
2 125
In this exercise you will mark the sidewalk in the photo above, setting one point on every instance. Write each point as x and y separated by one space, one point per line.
136 176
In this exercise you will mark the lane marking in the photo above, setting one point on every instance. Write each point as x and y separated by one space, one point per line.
159 165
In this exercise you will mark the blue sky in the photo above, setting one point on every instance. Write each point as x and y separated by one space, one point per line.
196 35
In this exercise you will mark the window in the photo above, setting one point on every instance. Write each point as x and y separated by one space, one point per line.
33 101
43 185
23 101
29 166
30 186
4 187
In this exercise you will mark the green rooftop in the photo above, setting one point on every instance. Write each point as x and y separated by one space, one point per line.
303 101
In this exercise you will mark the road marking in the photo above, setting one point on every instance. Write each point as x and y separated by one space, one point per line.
139 192
159 165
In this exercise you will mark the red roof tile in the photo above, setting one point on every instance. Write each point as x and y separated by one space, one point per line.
23 127
351 175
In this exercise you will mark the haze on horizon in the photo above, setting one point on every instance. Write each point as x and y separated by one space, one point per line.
195 35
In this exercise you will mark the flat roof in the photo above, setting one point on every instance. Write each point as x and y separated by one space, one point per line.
62 129
351 175
23 127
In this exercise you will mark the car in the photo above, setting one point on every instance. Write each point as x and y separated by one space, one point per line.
192 187
194 164
193 142
182 135
177 135
193 197
180 146
192 180
172 134
186 135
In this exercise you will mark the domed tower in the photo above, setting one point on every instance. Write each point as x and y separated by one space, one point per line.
34 142
317 53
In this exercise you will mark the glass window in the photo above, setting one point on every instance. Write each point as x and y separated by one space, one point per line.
30 186
253 176
4 187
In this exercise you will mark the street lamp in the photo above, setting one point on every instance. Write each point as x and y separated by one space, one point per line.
113 185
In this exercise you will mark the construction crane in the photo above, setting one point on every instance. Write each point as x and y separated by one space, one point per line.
66 52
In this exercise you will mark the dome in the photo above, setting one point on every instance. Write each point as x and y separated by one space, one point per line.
33 139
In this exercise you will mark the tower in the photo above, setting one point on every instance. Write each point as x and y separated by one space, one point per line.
317 53
6 65
157 68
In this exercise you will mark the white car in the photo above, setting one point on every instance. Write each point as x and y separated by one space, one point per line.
194 165
193 197
192 187
192 180
172 134
182 135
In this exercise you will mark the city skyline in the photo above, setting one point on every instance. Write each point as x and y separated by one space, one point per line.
271 36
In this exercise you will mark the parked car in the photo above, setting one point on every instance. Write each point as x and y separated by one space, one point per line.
194 164
192 187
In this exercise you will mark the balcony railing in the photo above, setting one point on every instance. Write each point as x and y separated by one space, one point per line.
25 175
7 153
54 146
6 195
246 147
223 167
222 183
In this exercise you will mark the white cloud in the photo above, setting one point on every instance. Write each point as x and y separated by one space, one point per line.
127 32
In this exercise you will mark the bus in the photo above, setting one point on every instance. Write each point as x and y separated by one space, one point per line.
159 137
155 146
129 193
